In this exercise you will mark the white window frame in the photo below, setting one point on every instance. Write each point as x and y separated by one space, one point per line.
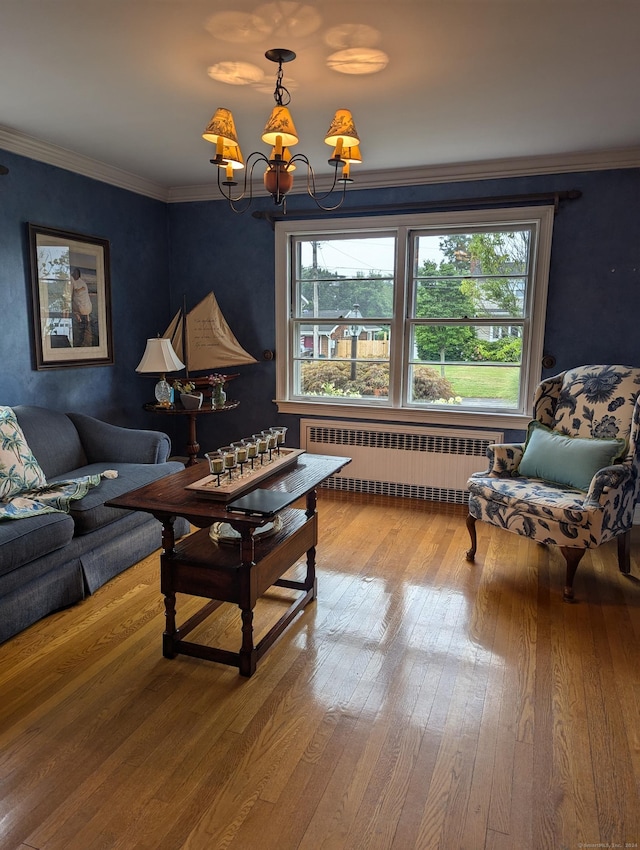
541 217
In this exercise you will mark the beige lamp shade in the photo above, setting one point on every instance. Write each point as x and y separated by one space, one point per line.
286 156
351 154
280 123
342 127
159 358
232 156
221 126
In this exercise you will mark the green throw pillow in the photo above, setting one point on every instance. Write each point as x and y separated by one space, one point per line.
19 470
566 460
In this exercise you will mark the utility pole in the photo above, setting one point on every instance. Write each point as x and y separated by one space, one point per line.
355 331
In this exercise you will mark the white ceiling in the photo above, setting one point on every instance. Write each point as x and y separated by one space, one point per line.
125 81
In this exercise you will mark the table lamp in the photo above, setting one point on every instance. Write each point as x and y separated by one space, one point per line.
160 358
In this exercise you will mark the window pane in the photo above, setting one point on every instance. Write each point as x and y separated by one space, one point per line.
448 343
469 365
466 385
353 361
337 276
345 379
471 274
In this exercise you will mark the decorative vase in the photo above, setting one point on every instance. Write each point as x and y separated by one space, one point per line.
191 401
218 397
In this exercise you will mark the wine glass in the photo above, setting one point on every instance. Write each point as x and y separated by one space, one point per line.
216 464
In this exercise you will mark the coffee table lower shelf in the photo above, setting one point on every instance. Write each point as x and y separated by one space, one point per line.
198 566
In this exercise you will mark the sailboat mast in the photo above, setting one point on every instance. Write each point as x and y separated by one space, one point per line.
184 335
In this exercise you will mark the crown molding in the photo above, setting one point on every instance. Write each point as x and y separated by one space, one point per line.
32 148
20 143
457 172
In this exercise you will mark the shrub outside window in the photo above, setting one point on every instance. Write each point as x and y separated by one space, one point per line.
439 313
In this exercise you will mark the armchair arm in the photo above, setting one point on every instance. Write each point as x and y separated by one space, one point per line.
106 443
504 459
608 484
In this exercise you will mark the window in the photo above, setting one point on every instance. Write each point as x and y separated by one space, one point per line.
395 317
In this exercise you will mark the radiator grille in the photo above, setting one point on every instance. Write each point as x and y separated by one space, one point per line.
408 461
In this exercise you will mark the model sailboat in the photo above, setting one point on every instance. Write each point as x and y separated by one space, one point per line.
203 340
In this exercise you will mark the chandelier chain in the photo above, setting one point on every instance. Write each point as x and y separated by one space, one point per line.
281 92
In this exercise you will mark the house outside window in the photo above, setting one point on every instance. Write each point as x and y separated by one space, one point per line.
436 317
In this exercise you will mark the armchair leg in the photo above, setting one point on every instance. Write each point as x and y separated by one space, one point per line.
573 558
624 552
471 528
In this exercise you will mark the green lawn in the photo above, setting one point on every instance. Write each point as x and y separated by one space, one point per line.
484 381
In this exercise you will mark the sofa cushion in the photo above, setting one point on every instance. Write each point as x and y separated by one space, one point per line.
566 460
90 512
24 540
53 439
19 469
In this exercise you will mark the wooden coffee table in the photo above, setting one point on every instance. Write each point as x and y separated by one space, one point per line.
233 572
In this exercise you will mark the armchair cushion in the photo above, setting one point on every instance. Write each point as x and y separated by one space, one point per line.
566 460
545 512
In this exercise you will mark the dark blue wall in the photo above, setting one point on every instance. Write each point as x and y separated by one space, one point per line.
162 253
136 228
215 249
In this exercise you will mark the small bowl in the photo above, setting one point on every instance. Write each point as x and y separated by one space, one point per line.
191 401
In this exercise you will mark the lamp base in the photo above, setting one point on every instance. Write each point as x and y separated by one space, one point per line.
163 392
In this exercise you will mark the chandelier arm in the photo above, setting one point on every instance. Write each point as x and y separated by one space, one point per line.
311 185
248 179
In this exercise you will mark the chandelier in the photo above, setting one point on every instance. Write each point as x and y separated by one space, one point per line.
280 133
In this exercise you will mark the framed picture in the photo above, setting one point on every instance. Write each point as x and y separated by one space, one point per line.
71 292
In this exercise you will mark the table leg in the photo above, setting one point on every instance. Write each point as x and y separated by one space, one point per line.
310 581
193 447
168 535
248 653
168 545
170 625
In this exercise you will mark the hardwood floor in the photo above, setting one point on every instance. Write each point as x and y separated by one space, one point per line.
421 702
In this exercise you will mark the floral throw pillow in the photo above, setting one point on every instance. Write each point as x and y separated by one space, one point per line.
19 470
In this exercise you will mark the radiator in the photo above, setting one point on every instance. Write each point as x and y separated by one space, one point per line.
411 461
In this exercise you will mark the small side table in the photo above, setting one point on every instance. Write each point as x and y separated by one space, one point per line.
193 447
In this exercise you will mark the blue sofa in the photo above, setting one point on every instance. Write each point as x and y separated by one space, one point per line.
53 560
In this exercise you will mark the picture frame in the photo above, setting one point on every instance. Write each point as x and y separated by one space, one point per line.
71 294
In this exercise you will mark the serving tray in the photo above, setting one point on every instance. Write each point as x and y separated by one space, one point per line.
232 488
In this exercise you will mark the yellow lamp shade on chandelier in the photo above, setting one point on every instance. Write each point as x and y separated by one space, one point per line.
280 133
281 124
222 129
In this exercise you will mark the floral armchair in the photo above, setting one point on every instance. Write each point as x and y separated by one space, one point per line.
574 483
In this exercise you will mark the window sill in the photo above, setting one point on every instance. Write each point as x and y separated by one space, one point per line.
467 419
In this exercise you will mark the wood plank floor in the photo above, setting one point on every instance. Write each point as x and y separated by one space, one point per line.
421 702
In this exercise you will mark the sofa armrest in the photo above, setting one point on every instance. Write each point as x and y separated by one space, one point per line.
504 458
106 443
